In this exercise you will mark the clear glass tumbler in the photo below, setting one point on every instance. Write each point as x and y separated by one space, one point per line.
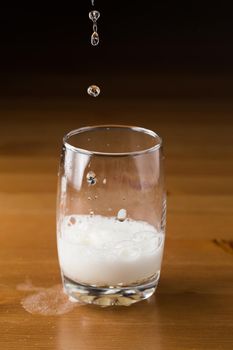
111 214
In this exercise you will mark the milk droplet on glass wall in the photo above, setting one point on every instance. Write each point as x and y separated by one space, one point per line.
72 221
122 215
91 178
93 90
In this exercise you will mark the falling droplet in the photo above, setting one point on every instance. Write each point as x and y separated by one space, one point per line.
91 178
96 196
93 90
93 2
89 198
95 39
91 212
94 15
104 181
122 215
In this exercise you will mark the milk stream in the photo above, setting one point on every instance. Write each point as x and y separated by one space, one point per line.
103 251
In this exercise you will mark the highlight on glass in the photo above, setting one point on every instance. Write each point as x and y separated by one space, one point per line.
111 214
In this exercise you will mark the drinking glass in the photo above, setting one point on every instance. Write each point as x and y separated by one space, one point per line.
111 213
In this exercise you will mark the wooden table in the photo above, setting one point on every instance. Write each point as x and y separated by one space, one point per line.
193 306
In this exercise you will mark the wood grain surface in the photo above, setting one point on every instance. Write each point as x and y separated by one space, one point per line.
193 307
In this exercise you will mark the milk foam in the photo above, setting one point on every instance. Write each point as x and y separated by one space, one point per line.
102 251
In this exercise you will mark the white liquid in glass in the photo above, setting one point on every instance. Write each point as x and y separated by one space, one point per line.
103 251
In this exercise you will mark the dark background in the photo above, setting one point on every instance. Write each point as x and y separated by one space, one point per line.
148 48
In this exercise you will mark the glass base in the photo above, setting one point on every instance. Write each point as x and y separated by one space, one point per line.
109 296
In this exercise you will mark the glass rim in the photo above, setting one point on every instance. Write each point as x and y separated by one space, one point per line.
111 154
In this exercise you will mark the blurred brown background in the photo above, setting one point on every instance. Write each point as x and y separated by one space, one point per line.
154 49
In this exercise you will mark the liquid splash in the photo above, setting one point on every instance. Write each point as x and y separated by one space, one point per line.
27 286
